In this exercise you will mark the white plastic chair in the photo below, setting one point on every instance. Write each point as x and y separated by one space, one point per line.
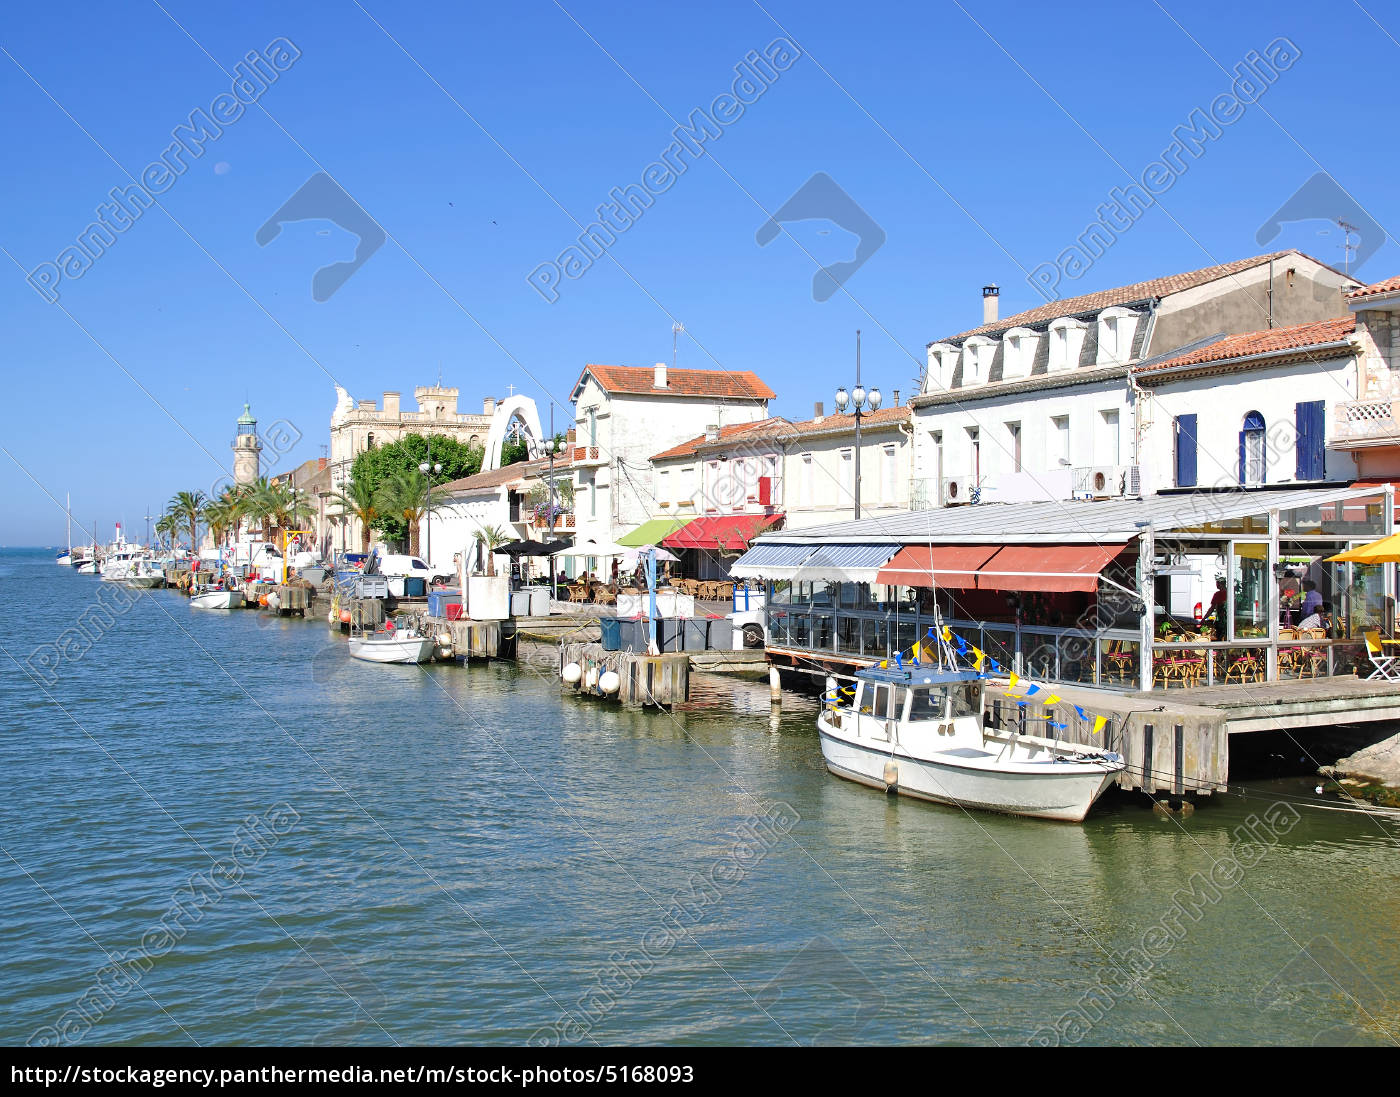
1384 664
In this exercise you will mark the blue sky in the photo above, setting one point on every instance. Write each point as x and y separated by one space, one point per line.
981 148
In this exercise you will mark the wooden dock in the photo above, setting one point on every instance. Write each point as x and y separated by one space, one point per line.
1297 703
659 680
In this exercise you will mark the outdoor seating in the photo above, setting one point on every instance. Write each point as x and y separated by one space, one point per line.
1385 668
1120 661
604 595
578 592
1244 668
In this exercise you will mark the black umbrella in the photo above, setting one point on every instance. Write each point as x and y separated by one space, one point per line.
525 548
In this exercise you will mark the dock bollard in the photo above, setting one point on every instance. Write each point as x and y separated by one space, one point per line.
775 687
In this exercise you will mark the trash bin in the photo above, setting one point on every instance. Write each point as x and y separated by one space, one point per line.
415 586
612 633
721 634
696 632
520 603
539 601
632 634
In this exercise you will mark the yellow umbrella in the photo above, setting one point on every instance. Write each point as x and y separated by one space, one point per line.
1384 551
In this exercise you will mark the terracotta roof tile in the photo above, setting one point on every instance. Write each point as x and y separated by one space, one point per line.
778 428
1121 295
722 384
1390 285
496 477
1252 343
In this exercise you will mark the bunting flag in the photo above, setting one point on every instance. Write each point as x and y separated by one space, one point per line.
1081 713
1014 678
1032 690
1055 725
980 657
914 653
1051 699
898 661
947 634
1099 722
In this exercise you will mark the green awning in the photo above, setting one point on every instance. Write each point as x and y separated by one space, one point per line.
651 533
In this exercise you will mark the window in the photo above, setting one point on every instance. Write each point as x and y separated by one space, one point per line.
592 426
663 488
848 474
974 442
1117 326
1184 427
369 440
1013 445
1106 449
1311 454
942 360
889 485
804 480
1018 348
1253 455
686 494
1059 442
1066 342
977 359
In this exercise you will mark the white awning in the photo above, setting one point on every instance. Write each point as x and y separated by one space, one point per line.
814 563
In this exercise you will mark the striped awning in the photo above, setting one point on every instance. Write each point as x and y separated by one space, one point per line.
814 563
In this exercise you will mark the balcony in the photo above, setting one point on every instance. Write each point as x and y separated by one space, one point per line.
563 523
585 456
1371 422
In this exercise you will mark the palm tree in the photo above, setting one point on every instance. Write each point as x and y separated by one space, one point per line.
281 505
168 526
361 502
492 538
186 507
405 495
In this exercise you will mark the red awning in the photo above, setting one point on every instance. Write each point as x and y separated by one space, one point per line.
721 531
1051 568
952 567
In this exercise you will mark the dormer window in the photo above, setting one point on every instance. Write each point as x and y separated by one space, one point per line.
1018 347
1117 328
977 359
942 360
1066 342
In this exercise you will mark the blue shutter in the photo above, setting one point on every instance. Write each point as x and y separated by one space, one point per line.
1242 468
1185 451
1312 430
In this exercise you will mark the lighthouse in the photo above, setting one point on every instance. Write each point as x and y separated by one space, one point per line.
247 448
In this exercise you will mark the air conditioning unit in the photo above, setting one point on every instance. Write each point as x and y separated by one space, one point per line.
958 491
1108 481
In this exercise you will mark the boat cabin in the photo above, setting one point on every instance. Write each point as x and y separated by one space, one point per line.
911 694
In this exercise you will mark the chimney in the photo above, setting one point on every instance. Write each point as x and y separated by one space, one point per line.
660 378
818 412
488 406
320 464
895 402
989 304
712 432
391 403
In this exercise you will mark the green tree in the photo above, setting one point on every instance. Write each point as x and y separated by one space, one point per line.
359 501
406 496
187 507
376 467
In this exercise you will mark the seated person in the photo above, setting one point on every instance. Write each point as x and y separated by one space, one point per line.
1321 619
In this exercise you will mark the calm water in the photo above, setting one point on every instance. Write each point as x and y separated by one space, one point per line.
454 855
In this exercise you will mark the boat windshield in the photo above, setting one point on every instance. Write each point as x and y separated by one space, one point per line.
927 704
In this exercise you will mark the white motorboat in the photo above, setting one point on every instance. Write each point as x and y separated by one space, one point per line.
920 731
117 564
216 599
393 645
144 573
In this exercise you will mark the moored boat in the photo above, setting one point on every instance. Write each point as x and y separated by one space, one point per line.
215 599
144 573
393 645
920 731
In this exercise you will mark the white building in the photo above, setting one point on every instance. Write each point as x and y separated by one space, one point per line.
1369 427
1040 405
496 499
716 492
625 414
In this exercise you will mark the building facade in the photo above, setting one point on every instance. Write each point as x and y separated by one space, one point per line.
1042 405
1369 426
626 414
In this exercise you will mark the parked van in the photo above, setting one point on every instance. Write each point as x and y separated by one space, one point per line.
398 567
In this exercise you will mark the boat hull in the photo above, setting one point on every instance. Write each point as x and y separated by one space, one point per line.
215 599
1064 791
399 649
146 582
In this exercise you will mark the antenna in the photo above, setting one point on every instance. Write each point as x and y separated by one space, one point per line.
1348 248
676 328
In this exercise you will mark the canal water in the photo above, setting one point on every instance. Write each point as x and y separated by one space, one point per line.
218 829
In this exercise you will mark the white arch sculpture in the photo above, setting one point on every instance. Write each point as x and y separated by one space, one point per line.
513 407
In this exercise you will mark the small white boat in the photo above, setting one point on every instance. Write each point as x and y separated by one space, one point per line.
89 567
216 599
919 731
144 573
64 559
402 645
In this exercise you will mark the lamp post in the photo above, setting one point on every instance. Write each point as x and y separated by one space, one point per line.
424 468
552 446
859 403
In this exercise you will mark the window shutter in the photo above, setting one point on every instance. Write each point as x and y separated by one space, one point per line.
1243 459
1186 451
1311 418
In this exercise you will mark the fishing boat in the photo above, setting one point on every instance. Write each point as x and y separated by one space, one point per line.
217 598
392 645
144 573
921 731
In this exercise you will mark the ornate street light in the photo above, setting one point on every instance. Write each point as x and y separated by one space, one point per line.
858 402
436 468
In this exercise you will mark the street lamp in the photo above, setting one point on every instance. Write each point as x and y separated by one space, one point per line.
423 467
860 402
552 446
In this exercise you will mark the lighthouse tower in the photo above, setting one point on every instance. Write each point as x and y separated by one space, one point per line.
247 448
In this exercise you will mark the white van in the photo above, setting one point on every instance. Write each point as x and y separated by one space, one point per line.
397 567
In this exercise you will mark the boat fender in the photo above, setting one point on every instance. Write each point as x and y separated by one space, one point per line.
590 680
891 776
571 674
610 681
